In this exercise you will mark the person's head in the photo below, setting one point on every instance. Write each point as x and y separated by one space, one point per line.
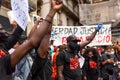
49 50
112 50
118 65
91 53
3 34
118 42
51 42
72 38
72 43
62 47
83 51
108 50
116 49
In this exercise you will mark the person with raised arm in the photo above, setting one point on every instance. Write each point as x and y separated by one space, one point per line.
7 63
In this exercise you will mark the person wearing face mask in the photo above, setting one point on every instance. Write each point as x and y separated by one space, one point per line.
7 41
68 65
112 51
8 62
91 67
107 60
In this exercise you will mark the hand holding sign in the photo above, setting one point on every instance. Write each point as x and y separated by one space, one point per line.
100 25
11 19
40 19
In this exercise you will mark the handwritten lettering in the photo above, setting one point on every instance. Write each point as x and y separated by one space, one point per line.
20 11
83 33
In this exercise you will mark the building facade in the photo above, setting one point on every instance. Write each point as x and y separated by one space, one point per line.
105 11
67 16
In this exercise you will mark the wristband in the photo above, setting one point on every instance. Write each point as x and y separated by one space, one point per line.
48 21
50 16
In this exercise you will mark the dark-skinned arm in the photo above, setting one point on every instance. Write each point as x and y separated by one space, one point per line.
60 72
60 64
108 61
43 47
91 37
35 26
37 36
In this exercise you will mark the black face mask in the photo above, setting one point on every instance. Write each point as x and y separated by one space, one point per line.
92 57
3 37
74 46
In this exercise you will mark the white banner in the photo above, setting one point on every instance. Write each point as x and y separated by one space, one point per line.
103 37
20 11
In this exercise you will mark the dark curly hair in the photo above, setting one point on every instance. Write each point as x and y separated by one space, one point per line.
95 54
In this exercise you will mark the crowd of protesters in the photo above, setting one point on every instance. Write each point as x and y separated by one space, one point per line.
100 63
36 58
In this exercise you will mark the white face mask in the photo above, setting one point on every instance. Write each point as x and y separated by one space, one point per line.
112 52
108 52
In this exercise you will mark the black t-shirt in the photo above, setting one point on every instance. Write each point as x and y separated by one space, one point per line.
41 69
71 65
90 71
5 68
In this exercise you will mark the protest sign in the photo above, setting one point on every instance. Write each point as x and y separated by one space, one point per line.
103 37
20 10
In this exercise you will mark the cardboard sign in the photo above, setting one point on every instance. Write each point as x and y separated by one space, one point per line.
103 37
20 10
